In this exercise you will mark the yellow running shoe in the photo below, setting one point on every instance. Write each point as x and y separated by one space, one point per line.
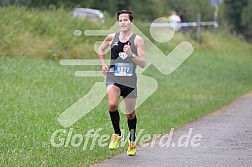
115 141
131 149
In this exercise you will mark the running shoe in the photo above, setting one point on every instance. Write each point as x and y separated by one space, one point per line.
115 141
131 149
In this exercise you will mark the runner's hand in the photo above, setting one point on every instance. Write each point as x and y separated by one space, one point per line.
105 69
127 49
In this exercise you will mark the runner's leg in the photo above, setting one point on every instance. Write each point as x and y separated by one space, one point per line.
113 100
129 104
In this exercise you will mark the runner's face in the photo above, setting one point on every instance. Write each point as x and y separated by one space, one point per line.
124 22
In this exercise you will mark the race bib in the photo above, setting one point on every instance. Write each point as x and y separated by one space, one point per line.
123 69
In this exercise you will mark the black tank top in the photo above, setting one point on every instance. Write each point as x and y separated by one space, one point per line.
123 69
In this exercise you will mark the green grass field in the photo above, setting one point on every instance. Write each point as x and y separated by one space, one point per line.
35 91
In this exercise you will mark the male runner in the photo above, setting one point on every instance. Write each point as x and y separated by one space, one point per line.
127 52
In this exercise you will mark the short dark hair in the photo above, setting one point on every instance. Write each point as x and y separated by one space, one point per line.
130 13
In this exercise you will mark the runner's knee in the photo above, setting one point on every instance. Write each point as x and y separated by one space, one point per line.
113 106
131 116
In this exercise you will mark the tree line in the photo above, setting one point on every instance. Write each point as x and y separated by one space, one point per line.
146 9
239 16
236 14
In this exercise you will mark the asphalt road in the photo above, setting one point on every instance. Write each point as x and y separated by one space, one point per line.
219 139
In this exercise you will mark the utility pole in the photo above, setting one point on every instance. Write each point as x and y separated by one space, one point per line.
216 18
198 36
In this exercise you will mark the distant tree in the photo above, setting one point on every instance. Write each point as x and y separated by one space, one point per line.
233 14
190 8
15 2
247 18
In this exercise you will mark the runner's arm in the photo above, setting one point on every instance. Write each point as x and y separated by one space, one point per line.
139 58
101 52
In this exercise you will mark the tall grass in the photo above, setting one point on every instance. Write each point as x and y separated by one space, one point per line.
46 34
